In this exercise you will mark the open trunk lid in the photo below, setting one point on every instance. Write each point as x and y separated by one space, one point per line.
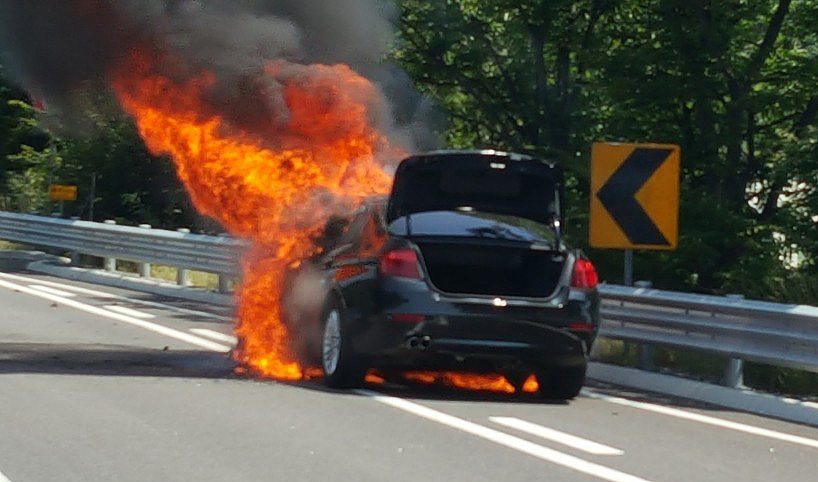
481 181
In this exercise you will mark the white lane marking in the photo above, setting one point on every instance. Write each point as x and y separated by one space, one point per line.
129 312
3 478
556 436
695 417
53 291
510 441
102 294
164 330
215 335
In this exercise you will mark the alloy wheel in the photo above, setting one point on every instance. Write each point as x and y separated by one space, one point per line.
331 346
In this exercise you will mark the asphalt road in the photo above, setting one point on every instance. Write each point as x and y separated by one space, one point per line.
99 384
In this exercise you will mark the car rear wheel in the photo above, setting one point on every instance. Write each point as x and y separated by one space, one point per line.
342 367
561 383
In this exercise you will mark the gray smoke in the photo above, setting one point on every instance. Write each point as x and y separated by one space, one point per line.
63 49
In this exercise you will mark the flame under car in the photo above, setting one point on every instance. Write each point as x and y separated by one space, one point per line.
462 268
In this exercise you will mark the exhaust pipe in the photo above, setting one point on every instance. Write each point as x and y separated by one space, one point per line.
418 342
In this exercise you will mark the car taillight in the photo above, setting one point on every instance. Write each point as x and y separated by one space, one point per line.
400 262
584 275
580 327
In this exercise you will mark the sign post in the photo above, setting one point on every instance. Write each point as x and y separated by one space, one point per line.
634 203
627 275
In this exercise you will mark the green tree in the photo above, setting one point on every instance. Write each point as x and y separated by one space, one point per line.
25 155
510 74
131 184
733 82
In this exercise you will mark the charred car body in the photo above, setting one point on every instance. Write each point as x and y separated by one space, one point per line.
462 268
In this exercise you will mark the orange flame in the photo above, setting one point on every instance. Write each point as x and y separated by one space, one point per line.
275 191
531 384
467 381
374 377
493 383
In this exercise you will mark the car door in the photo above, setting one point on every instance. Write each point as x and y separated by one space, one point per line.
354 269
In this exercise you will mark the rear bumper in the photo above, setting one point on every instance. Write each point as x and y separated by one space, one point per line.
457 335
445 342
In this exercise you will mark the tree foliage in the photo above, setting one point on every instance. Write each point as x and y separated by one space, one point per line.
735 83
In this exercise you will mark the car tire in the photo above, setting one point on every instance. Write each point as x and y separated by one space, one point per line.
561 383
342 367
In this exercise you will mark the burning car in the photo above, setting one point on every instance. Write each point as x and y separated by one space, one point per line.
462 268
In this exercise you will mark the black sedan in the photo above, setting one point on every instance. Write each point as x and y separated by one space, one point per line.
462 268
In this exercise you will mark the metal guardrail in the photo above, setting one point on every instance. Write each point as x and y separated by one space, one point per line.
213 254
777 334
739 329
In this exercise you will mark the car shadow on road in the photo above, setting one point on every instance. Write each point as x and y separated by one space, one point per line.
112 360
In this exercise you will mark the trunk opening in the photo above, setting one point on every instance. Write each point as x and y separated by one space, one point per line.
492 270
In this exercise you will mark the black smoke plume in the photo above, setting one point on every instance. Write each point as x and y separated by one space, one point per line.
63 49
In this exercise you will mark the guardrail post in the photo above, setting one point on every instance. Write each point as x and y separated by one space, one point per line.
734 371
75 256
144 268
646 353
223 284
109 263
183 275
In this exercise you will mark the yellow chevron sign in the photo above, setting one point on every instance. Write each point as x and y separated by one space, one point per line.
634 196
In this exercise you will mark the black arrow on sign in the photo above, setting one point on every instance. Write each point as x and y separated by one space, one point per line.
617 195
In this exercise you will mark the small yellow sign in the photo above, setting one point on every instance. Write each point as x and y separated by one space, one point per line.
62 192
634 196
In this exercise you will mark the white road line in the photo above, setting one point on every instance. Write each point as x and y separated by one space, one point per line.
695 417
556 436
102 294
3 478
53 291
510 441
129 312
179 335
215 335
